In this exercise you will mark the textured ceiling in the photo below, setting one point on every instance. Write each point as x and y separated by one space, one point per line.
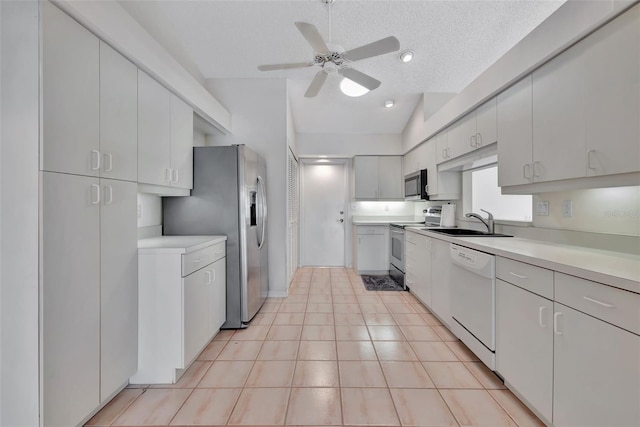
454 41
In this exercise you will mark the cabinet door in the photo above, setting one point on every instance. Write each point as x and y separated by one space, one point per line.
196 307
524 344
461 136
118 115
559 117
596 372
486 123
442 149
366 177
390 179
372 253
154 150
218 298
118 285
181 143
440 257
70 72
612 89
70 298
429 162
515 133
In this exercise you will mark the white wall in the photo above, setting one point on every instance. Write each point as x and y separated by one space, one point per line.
19 180
259 109
345 145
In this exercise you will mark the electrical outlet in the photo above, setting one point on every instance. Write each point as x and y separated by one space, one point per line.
542 208
386 208
567 208
139 210
354 207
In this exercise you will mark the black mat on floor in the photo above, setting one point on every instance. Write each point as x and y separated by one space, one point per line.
380 283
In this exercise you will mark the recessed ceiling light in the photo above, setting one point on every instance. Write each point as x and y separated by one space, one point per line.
406 56
389 103
351 88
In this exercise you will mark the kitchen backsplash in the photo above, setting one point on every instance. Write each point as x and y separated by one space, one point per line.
149 210
388 208
599 210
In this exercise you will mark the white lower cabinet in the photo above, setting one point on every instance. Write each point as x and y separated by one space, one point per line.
524 344
372 248
182 303
441 258
418 265
89 306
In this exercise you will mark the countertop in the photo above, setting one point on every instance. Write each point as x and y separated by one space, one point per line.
177 244
611 268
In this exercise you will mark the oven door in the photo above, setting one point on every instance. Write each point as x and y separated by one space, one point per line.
397 247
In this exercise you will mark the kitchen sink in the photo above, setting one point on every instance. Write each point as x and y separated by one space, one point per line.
463 232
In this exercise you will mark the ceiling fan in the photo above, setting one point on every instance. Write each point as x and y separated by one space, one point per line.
336 60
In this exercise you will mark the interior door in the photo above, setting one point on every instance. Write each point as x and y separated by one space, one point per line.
323 205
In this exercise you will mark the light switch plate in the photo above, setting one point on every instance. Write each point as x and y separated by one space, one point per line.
567 208
542 208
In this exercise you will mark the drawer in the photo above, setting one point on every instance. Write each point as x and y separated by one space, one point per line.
613 305
534 279
371 229
194 261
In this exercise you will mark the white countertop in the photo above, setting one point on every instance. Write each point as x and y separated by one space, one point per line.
177 244
611 268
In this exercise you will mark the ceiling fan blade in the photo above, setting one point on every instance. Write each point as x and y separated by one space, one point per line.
361 78
310 32
316 84
272 67
380 47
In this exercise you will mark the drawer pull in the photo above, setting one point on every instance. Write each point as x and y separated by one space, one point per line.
540 311
518 275
556 329
219 252
195 261
595 301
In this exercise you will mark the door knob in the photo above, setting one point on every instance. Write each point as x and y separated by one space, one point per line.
340 220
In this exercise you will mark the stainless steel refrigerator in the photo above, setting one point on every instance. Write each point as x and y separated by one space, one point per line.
229 198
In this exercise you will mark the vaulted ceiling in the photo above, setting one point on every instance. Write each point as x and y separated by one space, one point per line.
454 42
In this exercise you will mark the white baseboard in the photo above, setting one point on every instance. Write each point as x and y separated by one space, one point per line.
278 294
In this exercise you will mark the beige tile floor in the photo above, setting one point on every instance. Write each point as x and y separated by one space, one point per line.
332 353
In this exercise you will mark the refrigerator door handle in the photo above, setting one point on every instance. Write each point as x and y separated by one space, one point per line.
263 209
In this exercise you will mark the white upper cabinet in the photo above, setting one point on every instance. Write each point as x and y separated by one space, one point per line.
486 124
118 116
181 143
378 178
559 117
515 146
71 91
443 153
612 86
165 136
154 127
461 136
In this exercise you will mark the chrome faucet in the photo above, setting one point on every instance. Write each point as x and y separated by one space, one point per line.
488 222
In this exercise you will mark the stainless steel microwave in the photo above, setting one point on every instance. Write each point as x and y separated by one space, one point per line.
415 186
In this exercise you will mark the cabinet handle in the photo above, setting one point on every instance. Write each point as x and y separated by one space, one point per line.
108 156
448 152
478 139
444 153
556 317
219 252
527 168
589 153
541 310
209 277
95 193
518 275
97 156
595 301
174 180
108 199
472 141
536 175
196 261
168 174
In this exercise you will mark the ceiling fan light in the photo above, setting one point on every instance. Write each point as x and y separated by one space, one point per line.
406 56
351 88
389 103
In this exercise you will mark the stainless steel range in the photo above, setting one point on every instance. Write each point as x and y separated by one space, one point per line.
396 244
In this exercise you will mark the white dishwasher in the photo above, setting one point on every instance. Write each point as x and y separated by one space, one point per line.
473 288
